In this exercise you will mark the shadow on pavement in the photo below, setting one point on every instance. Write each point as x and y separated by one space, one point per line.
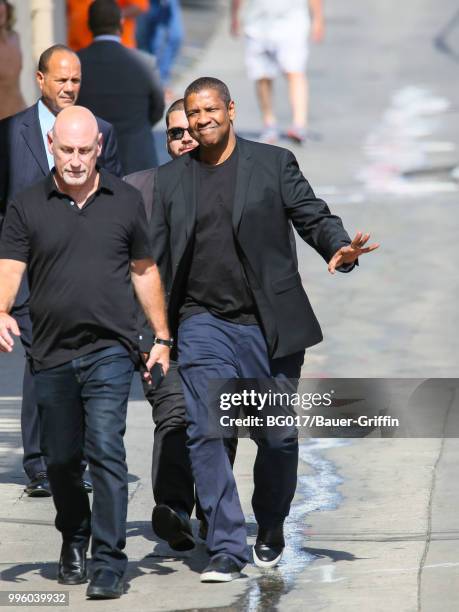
333 555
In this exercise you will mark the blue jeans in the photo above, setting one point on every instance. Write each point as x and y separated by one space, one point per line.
160 32
211 348
82 406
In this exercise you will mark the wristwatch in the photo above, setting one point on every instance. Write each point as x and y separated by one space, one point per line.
169 343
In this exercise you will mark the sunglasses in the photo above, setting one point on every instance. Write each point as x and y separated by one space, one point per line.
177 133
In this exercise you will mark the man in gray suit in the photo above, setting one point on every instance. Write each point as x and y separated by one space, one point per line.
122 86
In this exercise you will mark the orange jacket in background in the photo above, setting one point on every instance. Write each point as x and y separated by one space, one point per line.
79 35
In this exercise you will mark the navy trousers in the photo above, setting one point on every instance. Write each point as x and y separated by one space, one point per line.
211 348
82 406
171 477
33 461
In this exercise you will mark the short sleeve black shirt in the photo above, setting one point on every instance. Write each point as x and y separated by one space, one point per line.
216 280
78 263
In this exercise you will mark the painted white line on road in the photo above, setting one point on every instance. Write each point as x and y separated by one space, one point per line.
397 144
10 398
437 147
327 572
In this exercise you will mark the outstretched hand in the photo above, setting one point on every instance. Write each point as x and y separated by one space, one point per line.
349 253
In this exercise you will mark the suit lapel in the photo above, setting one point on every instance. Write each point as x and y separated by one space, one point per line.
31 133
189 185
244 172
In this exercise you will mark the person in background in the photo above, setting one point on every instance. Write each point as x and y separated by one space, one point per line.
25 160
160 32
11 100
79 34
119 86
276 39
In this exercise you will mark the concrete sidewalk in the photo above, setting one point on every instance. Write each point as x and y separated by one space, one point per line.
374 523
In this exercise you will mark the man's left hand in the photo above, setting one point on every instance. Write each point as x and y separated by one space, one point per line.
348 254
158 354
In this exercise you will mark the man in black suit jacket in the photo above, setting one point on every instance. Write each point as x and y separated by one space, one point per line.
122 86
24 160
172 480
171 477
220 224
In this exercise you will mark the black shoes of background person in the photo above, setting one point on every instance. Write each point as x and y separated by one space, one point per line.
174 526
221 569
39 486
269 546
72 564
105 584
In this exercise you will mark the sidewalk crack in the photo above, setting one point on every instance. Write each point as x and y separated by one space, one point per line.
428 534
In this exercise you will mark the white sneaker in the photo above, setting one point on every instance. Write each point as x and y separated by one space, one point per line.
221 569
269 546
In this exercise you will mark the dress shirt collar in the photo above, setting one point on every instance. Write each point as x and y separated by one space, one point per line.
46 120
111 37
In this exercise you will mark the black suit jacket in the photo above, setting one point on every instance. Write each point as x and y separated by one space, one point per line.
144 181
118 85
23 159
270 192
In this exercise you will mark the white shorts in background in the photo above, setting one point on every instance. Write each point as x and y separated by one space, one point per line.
283 50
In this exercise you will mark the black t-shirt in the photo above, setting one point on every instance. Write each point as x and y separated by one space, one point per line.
78 262
216 281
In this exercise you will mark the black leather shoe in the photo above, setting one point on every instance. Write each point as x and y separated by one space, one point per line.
221 569
72 564
38 486
87 486
269 546
173 526
105 584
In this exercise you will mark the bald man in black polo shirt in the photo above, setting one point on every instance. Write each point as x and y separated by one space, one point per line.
82 235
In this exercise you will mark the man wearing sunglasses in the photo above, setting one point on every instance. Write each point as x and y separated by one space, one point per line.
179 140
172 480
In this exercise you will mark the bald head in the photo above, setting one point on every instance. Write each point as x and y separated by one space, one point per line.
76 122
75 143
